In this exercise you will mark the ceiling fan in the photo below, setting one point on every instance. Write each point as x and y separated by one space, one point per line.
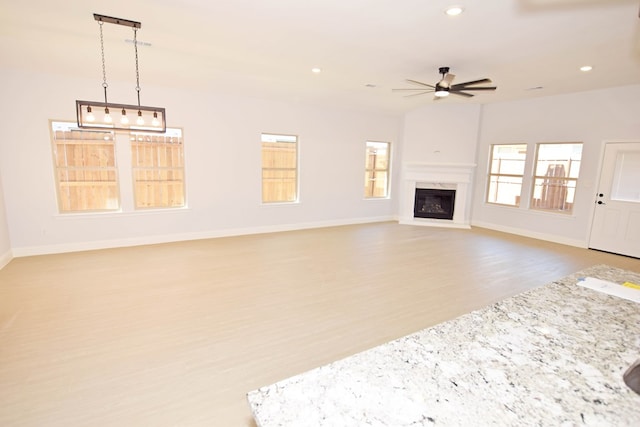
444 87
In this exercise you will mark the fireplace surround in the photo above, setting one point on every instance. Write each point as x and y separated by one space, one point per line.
445 178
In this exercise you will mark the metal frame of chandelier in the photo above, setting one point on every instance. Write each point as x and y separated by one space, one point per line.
107 115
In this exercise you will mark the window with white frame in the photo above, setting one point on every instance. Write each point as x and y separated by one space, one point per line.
158 169
279 168
506 173
85 168
376 174
556 172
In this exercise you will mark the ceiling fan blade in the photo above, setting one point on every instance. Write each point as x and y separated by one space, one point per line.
465 94
409 88
420 83
446 80
471 83
420 93
476 88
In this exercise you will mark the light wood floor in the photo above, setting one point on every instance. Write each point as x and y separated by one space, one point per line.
176 334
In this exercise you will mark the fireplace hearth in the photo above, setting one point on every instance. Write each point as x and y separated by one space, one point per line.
434 203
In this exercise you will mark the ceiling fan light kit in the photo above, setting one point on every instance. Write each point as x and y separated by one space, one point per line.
444 87
441 92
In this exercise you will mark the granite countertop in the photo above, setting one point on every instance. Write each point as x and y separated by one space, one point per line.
554 355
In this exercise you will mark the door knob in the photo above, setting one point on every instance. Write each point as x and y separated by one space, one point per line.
600 202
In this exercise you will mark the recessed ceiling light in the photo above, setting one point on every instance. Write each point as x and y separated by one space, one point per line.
316 70
370 85
586 68
454 10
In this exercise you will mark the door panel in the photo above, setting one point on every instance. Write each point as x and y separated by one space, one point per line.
616 221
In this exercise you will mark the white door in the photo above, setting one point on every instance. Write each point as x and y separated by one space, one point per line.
616 222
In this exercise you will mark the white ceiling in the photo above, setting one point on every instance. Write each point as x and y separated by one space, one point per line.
266 48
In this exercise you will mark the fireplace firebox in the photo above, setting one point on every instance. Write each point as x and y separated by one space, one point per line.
434 203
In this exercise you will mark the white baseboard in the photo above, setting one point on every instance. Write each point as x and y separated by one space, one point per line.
433 223
5 258
151 240
532 234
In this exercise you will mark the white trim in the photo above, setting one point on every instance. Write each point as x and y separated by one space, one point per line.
5 258
429 222
168 238
529 233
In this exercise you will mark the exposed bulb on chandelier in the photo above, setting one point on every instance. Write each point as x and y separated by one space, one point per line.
155 120
90 116
140 120
124 119
107 116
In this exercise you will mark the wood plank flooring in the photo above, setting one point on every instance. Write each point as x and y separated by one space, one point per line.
176 334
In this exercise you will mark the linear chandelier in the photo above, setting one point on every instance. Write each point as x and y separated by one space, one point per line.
107 115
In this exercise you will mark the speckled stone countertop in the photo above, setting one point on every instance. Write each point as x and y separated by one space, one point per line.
552 356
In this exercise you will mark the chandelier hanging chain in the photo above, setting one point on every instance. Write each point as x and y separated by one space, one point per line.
135 46
104 68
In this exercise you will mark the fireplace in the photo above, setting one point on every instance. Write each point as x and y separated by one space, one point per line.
434 203
452 183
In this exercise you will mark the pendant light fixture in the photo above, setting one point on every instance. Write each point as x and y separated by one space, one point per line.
98 115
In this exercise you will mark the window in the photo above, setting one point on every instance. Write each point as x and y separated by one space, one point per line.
376 175
556 174
158 169
624 187
87 174
85 167
506 171
279 168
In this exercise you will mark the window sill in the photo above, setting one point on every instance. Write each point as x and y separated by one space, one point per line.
294 203
377 198
120 214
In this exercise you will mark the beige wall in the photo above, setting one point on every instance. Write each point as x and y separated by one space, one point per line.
592 118
5 242
222 151
222 157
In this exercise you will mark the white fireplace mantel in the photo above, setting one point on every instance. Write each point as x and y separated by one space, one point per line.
458 176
